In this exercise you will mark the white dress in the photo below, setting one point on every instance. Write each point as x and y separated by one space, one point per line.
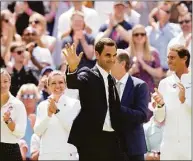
54 131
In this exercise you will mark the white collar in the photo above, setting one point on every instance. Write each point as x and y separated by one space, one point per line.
124 79
183 75
102 71
11 98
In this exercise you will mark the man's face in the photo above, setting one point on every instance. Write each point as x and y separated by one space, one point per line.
119 10
164 12
185 23
118 69
107 58
19 55
29 36
175 62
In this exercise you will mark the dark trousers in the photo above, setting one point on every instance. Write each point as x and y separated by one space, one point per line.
104 148
10 152
135 158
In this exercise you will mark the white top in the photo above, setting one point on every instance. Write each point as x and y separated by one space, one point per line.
177 115
42 55
133 18
54 131
123 82
18 115
35 143
107 124
90 16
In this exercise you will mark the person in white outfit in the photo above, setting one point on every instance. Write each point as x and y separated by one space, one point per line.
173 99
13 120
54 119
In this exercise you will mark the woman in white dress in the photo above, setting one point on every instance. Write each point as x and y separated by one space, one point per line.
54 119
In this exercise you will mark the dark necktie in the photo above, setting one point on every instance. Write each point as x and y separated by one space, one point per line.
114 103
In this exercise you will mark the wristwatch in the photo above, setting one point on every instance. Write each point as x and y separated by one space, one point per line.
160 106
57 110
114 27
8 121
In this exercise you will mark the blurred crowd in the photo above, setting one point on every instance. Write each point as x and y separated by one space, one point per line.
33 34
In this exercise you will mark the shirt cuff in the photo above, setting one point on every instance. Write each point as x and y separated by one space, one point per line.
69 73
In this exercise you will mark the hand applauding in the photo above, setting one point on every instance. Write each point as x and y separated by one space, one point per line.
158 98
181 94
51 107
6 116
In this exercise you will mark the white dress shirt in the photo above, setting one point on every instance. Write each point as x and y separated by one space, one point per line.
122 85
18 115
107 124
90 16
177 116
35 143
54 131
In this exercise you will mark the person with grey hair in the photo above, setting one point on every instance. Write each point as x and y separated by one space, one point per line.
54 118
134 96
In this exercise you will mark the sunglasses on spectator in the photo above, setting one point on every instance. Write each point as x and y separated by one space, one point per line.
19 52
30 34
28 96
36 22
185 21
139 34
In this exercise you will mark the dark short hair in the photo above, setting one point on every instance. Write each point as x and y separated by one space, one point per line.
123 55
99 46
182 52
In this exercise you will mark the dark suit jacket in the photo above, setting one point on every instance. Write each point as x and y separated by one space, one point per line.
88 125
134 106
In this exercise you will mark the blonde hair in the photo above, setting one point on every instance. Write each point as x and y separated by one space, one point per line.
77 13
42 20
53 73
5 72
28 86
147 47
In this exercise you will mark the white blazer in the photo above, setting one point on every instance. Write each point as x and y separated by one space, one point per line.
54 131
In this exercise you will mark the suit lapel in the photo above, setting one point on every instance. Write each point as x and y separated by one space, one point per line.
98 74
127 90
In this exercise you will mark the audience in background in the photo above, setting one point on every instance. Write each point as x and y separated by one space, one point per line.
33 34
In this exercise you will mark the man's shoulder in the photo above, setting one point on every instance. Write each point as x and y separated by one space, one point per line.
137 80
126 25
66 14
103 27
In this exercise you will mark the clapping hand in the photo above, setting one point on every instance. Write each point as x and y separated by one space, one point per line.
6 116
72 58
158 98
51 107
181 94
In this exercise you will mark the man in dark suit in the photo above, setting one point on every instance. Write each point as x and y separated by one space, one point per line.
96 130
134 98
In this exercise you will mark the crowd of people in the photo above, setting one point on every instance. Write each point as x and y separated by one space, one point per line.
94 80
